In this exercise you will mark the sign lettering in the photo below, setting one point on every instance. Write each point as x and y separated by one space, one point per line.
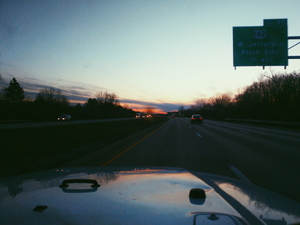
259 34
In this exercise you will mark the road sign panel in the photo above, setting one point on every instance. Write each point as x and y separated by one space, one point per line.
275 22
262 45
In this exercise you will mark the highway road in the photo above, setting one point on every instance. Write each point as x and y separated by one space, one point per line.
267 157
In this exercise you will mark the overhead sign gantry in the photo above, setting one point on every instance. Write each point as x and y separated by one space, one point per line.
265 45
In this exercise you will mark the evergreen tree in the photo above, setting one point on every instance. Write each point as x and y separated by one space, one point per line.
14 92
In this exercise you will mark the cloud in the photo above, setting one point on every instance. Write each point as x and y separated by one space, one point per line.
76 92
79 92
141 105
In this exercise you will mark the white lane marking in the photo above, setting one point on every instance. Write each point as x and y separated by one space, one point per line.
199 135
239 174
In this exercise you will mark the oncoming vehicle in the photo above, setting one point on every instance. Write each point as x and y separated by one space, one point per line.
64 117
196 118
140 115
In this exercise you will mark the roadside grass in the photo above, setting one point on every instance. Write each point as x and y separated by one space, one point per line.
26 146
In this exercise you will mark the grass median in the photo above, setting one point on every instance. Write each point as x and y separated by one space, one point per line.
26 147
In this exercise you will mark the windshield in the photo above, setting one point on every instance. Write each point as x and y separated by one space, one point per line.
116 83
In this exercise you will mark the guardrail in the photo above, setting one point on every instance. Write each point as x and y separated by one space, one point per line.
281 123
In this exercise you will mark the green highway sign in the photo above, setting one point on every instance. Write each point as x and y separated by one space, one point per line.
261 45
275 22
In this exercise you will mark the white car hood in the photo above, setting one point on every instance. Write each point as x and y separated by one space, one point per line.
137 196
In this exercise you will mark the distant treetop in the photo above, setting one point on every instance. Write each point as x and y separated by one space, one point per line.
14 92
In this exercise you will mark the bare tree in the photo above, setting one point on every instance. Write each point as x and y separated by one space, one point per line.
51 96
220 100
105 97
100 96
50 103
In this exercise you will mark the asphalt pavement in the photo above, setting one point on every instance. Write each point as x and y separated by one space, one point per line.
267 157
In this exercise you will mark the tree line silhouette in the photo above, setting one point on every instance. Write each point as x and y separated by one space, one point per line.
275 97
50 103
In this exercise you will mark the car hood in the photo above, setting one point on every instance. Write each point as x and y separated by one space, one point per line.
138 196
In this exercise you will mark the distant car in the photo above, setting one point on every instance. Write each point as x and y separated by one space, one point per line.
64 117
196 118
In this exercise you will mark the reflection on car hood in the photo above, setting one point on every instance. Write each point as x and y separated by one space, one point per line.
138 196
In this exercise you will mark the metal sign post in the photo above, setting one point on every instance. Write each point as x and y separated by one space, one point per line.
294 38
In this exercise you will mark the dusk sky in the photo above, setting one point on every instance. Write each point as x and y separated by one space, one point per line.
163 54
